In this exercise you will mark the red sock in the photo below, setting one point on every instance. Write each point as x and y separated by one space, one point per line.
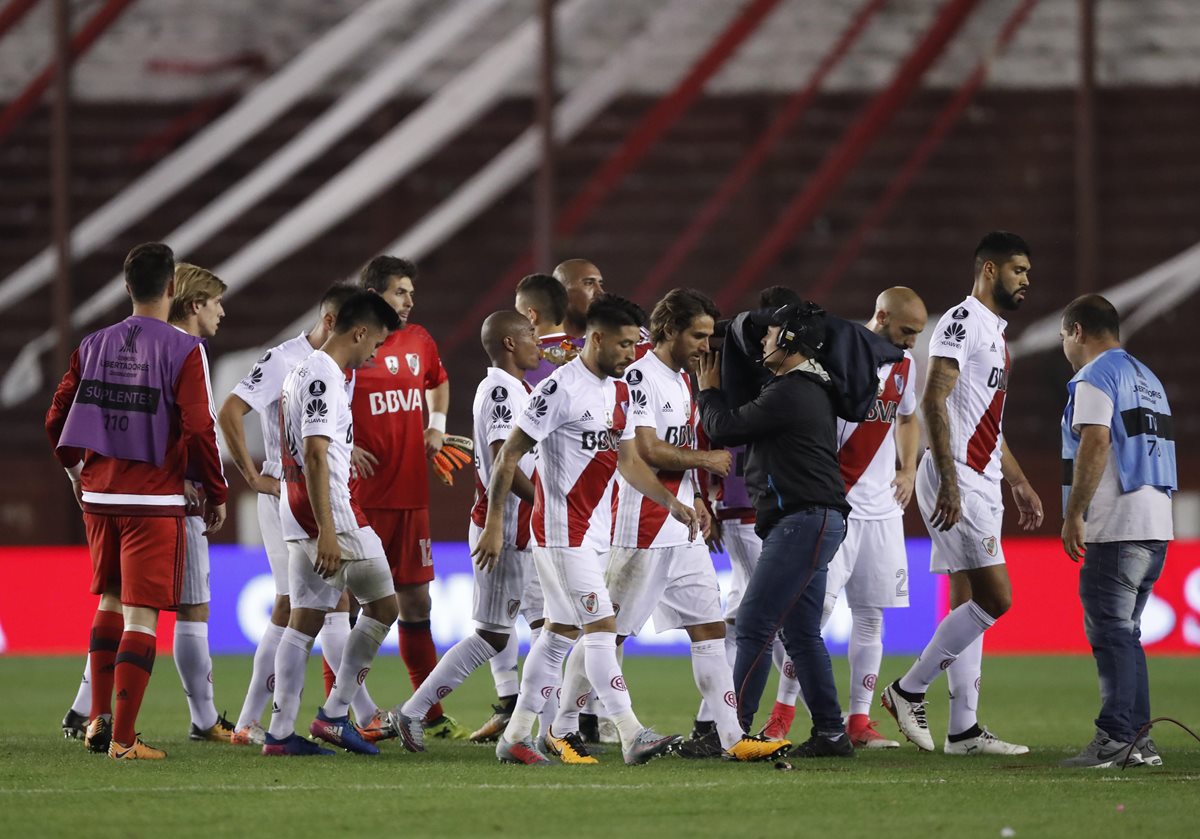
329 677
102 647
419 656
787 713
135 661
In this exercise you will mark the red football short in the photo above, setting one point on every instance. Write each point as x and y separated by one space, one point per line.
142 555
405 537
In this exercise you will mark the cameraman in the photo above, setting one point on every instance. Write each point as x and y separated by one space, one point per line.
794 480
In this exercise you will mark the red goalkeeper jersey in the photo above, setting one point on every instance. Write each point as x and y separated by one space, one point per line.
389 419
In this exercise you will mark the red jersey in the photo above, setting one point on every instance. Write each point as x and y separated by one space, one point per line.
389 419
114 486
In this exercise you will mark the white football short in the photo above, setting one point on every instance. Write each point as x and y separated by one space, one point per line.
196 565
364 571
511 588
974 542
677 585
743 547
871 566
573 584
273 541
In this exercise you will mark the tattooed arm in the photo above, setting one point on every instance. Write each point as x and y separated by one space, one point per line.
942 376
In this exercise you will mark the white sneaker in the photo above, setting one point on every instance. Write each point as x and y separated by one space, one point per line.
910 716
608 731
985 744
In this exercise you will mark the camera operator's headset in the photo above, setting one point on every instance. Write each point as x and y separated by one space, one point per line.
797 329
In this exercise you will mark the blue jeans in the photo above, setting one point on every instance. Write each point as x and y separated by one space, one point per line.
786 593
1114 585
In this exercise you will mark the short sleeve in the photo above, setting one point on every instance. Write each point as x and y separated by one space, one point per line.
641 413
435 372
908 399
263 384
500 416
318 409
1092 407
547 409
953 337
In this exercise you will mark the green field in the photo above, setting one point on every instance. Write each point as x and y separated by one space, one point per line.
51 787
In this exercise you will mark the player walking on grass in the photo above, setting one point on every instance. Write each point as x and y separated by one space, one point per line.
394 445
576 419
260 391
1119 449
510 587
958 491
330 545
131 414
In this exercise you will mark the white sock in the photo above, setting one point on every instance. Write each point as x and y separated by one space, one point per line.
290 661
576 690
334 635
194 664
731 644
964 675
789 686
262 677
541 679
549 710
83 697
714 680
504 668
865 652
360 651
460 661
953 635
604 672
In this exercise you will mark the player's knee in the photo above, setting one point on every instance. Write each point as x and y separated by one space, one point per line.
385 610
497 640
714 631
194 612
282 610
994 603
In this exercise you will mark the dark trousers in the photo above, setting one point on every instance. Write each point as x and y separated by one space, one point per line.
786 593
1114 585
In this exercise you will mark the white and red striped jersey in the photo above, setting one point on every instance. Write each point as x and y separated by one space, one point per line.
973 335
262 387
867 449
577 419
659 398
499 400
316 403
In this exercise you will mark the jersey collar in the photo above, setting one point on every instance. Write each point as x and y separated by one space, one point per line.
987 315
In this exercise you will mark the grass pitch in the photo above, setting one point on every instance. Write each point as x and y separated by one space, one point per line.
51 787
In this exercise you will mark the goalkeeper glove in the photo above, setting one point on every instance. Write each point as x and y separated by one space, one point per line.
457 452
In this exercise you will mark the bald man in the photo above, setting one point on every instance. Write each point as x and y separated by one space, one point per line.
511 587
878 459
583 283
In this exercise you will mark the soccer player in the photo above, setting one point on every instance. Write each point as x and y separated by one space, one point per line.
583 283
510 587
576 418
655 567
331 547
260 391
1118 442
392 483
130 415
871 565
543 299
958 491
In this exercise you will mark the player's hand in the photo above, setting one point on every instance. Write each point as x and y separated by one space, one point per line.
704 519
456 453
214 518
433 442
266 485
77 491
904 487
715 540
948 509
192 502
1029 506
363 461
329 554
708 370
687 515
719 462
1072 538
487 549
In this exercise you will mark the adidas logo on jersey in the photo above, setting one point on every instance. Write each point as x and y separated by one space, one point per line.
587 417
667 407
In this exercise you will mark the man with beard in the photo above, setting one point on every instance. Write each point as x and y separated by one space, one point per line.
958 491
